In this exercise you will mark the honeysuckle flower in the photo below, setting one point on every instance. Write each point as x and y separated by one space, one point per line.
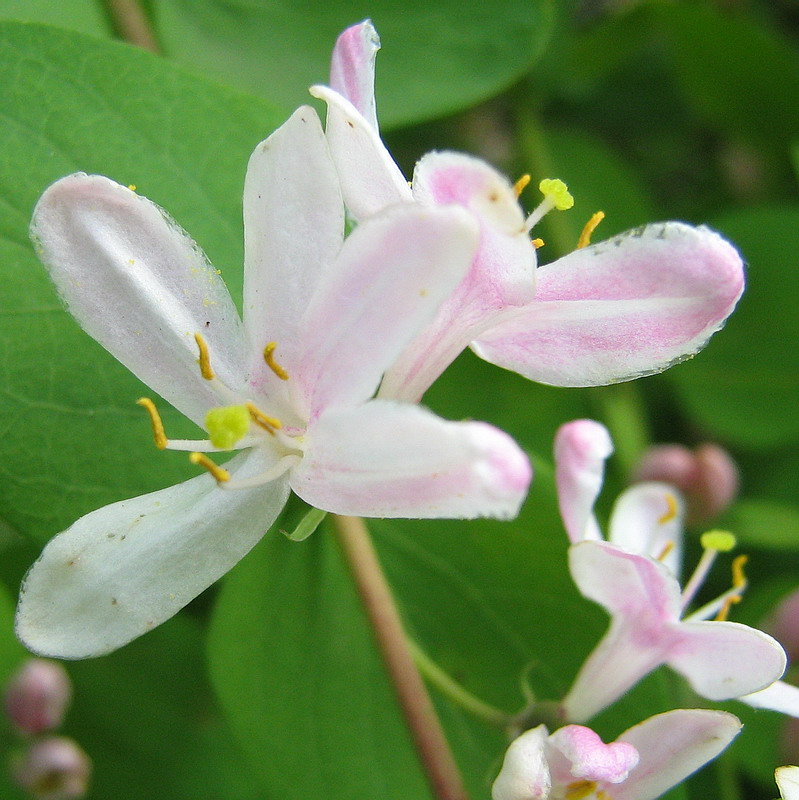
788 782
290 386
643 763
628 577
629 306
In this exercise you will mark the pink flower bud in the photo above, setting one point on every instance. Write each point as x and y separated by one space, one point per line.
54 768
37 696
783 625
708 477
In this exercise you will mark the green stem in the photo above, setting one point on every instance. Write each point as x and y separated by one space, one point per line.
622 410
425 728
455 692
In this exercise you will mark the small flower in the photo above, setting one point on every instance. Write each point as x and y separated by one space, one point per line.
37 696
291 385
628 577
788 782
54 768
626 307
643 763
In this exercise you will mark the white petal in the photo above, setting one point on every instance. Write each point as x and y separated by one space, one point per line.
581 449
780 696
125 568
370 179
673 746
140 286
388 282
788 782
647 518
524 774
384 459
352 68
293 230
627 307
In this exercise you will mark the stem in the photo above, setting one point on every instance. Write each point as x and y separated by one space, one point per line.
622 410
132 24
455 692
428 736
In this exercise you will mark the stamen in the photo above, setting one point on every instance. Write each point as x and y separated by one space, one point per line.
538 243
724 611
155 420
667 548
738 577
205 360
672 509
590 227
269 424
219 474
521 184
269 357
282 466
580 789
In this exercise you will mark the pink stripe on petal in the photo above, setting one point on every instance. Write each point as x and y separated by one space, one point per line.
352 68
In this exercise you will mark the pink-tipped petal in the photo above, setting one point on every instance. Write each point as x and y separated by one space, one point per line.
627 307
352 68
524 774
385 459
581 449
722 660
388 282
673 746
780 696
502 273
648 519
140 286
590 758
293 230
370 179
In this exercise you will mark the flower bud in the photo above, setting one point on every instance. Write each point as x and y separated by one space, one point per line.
54 768
708 477
783 625
37 696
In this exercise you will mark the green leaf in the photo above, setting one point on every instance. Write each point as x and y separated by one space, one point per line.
744 388
70 425
437 57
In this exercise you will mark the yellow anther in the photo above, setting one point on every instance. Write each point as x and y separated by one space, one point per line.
738 577
721 541
724 611
521 185
205 360
538 243
269 424
667 548
155 420
226 425
132 187
590 227
269 357
219 474
672 509
557 192
580 789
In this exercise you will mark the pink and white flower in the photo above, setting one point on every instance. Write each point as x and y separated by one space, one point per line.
629 576
290 385
643 763
788 782
626 307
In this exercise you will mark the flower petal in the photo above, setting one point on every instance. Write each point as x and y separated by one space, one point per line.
524 774
648 519
140 286
788 782
391 277
780 696
627 307
293 230
125 568
352 68
722 660
581 449
590 758
502 273
673 746
385 459
370 179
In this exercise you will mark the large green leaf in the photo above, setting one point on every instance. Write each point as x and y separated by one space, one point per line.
72 436
437 58
744 388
